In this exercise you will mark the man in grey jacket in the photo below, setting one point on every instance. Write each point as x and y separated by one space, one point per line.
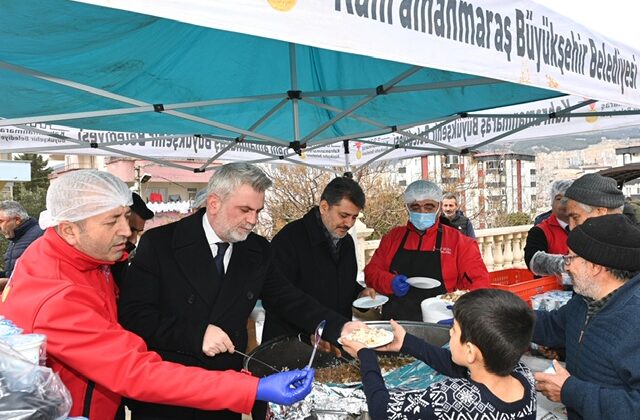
20 230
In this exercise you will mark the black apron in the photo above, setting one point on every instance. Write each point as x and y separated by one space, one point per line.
414 263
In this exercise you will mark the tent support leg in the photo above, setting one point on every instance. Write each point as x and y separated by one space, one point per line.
295 105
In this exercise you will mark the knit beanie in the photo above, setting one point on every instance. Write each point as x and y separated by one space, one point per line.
612 241
597 191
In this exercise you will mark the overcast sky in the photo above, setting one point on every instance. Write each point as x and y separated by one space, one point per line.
616 19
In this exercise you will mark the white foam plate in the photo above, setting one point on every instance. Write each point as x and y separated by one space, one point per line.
423 282
386 339
366 302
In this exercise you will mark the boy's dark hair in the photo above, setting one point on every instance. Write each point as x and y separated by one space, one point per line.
340 188
499 323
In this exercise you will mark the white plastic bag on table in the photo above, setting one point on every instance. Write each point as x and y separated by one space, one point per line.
30 391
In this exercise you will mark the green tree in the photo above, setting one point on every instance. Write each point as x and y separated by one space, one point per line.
39 175
511 219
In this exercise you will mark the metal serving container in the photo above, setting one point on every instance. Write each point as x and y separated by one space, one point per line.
294 352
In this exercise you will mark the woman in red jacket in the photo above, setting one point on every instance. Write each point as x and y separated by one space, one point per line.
424 247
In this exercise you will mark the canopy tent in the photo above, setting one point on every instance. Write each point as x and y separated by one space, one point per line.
471 132
276 76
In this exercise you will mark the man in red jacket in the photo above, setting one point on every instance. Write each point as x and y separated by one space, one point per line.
424 247
551 234
62 287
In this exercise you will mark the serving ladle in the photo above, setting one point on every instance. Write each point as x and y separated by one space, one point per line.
318 337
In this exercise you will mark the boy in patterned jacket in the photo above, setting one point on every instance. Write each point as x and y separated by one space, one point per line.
491 330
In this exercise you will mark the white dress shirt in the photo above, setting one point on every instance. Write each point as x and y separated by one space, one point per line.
213 240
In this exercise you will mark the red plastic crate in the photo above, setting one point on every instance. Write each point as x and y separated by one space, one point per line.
521 282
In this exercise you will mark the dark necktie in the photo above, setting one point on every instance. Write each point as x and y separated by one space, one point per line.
219 259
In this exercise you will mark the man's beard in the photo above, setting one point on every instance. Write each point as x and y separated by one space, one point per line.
584 287
237 234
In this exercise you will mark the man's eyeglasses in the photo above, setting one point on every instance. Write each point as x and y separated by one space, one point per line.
568 258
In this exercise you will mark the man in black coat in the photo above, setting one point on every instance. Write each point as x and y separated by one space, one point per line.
317 254
20 230
193 284
140 213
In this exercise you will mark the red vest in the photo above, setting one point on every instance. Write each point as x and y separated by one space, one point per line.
556 236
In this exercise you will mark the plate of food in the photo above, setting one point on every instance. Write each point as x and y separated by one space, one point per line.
423 282
370 337
366 302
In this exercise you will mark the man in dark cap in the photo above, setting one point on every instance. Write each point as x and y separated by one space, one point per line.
598 326
592 195
140 213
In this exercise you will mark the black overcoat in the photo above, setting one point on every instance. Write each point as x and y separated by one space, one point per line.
172 292
303 253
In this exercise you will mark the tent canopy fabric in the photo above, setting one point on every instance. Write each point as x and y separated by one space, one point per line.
238 75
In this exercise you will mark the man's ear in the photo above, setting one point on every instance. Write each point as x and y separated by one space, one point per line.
69 232
324 206
213 203
595 269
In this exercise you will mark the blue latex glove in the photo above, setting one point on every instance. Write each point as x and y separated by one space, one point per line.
285 388
448 322
399 285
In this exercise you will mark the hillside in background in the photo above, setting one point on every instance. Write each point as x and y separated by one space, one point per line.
564 143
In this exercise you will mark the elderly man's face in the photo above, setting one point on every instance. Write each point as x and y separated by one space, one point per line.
235 217
339 218
102 237
583 282
577 214
8 224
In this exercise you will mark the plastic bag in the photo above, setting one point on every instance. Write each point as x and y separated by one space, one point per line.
30 391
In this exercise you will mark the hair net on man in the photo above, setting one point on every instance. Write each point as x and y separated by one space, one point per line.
422 190
81 194
560 187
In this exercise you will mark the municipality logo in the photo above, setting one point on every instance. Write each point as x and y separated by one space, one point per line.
282 5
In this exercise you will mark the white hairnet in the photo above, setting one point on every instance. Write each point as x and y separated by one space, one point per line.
422 190
560 187
81 194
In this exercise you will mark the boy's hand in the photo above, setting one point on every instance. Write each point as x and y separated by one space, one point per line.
351 347
398 338
550 384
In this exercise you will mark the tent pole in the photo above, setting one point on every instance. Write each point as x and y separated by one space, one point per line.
561 113
397 129
347 162
380 90
294 88
242 137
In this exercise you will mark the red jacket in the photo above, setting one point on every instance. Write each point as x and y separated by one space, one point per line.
460 258
556 236
59 291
